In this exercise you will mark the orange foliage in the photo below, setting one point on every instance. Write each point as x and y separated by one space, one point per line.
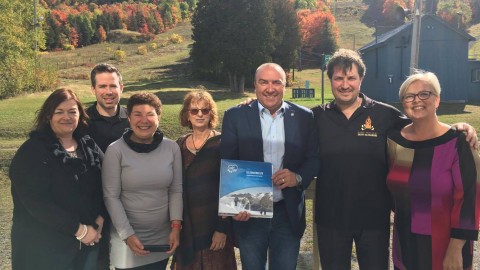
59 17
73 37
142 17
389 7
311 23
102 35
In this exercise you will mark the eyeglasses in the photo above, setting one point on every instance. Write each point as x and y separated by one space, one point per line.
422 96
195 111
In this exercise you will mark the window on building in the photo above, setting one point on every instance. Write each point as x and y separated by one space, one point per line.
476 75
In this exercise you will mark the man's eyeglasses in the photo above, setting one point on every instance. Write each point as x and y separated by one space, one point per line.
195 111
422 96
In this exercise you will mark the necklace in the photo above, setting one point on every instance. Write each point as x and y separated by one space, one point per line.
72 154
198 149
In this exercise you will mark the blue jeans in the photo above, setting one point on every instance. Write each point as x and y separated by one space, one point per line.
258 236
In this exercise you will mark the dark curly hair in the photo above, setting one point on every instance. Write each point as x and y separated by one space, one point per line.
144 99
344 59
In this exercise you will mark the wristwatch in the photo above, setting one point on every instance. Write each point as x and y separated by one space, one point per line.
299 179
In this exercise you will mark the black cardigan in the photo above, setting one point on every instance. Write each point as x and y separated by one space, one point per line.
52 193
200 200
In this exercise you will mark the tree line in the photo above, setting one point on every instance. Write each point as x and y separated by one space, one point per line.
233 37
84 24
391 13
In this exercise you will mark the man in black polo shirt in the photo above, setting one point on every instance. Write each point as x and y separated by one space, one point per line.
108 121
352 199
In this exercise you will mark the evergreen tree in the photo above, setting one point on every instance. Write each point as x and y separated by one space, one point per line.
328 37
232 37
192 4
207 24
184 10
287 33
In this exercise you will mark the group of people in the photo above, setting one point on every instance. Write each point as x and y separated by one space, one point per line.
78 208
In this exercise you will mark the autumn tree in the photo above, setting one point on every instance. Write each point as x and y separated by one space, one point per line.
393 12
305 4
72 37
170 12
101 34
145 18
318 30
457 13
19 68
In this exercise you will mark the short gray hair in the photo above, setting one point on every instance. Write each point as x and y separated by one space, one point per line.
424 76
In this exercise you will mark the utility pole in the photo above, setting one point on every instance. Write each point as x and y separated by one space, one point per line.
417 16
35 23
299 59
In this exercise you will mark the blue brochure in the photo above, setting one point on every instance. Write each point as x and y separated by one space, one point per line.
245 186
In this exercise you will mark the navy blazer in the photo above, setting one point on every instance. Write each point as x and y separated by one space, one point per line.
242 140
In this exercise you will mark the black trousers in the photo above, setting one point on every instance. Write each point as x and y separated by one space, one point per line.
335 248
103 262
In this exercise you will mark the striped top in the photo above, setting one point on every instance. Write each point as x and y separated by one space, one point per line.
435 186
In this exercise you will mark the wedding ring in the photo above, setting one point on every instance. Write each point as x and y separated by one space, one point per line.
283 180
92 244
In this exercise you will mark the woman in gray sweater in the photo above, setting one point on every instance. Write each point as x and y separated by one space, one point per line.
142 184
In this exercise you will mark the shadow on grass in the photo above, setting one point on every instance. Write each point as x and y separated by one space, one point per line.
176 76
172 97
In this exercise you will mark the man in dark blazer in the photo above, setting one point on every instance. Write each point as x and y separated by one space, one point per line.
283 133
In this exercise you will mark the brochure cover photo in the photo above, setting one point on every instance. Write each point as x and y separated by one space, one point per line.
245 186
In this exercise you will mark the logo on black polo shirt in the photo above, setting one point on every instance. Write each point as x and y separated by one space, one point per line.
367 129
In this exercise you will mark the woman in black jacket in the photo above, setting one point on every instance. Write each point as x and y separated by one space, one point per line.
57 190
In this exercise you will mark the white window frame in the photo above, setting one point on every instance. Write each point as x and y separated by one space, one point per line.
476 75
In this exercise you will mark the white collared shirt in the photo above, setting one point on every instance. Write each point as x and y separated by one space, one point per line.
273 136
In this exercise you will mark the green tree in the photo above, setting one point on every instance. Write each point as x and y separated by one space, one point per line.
248 40
207 22
19 69
305 4
192 4
184 10
329 41
287 33
170 12
232 37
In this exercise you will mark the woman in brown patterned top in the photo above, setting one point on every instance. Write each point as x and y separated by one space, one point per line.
205 241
